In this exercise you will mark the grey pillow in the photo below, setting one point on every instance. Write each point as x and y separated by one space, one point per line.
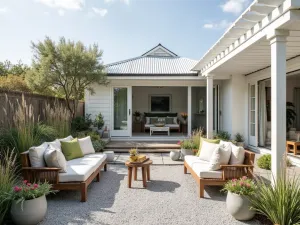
153 120
36 155
55 158
169 120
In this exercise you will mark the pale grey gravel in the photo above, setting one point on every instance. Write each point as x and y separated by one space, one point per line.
171 198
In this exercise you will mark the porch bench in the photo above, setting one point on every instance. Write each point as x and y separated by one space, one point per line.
80 173
198 169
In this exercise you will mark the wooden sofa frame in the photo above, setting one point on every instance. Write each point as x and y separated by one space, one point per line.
228 172
33 174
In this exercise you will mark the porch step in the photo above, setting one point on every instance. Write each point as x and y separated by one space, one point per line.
144 150
126 145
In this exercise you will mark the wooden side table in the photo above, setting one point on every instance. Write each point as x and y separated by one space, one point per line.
137 126
292 146
145 171
184 128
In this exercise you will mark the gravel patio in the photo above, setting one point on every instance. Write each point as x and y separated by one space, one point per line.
170 198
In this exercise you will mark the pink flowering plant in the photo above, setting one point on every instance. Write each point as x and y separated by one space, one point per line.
27 191
242 186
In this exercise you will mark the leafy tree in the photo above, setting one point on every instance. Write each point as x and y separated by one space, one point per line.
67 69
14 83
7 68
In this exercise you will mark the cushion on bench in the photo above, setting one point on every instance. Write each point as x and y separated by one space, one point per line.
81 168
201 167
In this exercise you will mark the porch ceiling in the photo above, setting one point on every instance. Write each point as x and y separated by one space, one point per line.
257 57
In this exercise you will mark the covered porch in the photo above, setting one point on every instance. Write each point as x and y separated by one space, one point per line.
264 43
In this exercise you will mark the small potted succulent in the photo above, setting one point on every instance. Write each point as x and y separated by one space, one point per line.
239 140
137 116
238 193
29 204
186 147
133 155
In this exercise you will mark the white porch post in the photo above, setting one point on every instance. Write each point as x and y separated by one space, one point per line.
278 102
189 112
209 106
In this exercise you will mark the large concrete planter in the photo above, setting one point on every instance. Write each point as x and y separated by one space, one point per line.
185 152
33 211
175 155
239 206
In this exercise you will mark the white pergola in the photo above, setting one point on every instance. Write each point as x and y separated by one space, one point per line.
267 33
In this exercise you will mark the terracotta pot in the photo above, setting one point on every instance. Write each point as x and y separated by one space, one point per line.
33 212
239 206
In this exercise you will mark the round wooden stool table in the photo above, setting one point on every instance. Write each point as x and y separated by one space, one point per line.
145 171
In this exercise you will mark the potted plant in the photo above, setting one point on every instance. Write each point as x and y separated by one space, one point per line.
290 117
29 204
137 116
184 116
186 147
133 155
237 201
239 140
175 155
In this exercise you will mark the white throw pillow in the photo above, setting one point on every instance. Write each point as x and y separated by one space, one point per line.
55 158
55 144
220 157
175 120
86 145
147 120
69 138
36 155
237 155
207 150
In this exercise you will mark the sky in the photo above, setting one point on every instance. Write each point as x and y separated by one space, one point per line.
122 28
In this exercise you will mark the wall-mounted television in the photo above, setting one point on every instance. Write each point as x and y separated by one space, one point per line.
160 103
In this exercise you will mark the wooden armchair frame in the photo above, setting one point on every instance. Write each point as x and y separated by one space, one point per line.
228 172
33 174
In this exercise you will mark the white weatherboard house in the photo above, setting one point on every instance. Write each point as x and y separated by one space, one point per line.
259 55
157 82
244 80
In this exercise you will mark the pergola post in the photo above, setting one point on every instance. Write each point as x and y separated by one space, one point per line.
189 112
278 102
209 106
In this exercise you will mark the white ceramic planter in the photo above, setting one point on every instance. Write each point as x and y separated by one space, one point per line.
175 155
239 206
33 211
185 152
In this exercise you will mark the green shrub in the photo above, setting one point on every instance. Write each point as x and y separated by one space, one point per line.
279 201
99 121
8 178
93 134
99 145
81 123
239 137
222 135
264 162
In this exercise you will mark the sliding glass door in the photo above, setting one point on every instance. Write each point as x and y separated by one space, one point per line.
121 98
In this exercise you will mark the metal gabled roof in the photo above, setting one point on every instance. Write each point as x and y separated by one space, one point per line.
157 61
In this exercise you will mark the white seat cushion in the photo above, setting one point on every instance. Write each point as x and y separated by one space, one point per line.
81 168
172 125
149 125
36 155
201 167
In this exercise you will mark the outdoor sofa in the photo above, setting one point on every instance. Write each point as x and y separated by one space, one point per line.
204 175
168 119
79 172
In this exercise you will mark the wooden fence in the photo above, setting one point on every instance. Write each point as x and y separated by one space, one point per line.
37 101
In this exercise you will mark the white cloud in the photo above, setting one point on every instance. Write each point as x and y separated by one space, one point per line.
64 4
61 12
235 6
100 11
3 10
124 1
223 24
